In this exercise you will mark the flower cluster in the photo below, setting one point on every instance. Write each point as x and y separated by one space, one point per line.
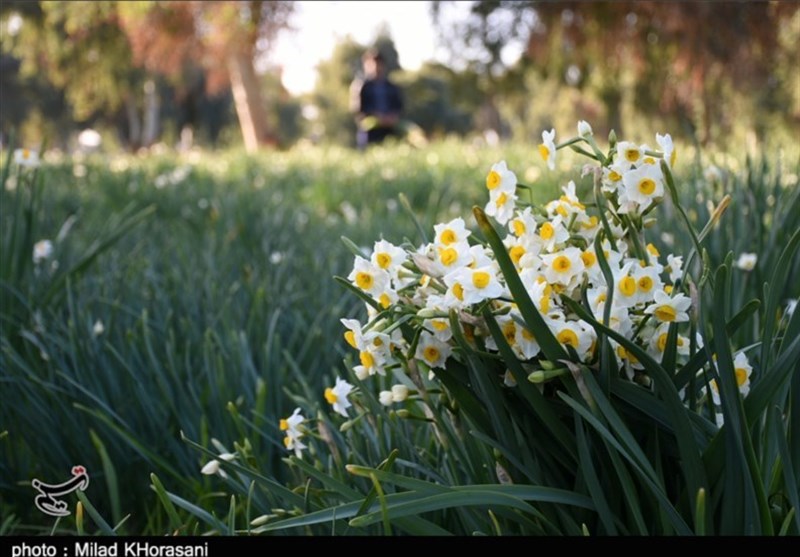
563 252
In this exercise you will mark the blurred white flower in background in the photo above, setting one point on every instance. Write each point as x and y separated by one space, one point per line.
43 249
747 261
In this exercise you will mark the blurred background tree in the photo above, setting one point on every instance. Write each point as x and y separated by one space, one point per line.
151 71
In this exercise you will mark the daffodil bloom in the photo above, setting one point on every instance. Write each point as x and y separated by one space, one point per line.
26 157
612 177
648 282
453 232
451 257
373 359
501 206
658 342
743 371
547 148
552 233
388 257
292 427
747 261
501 179
575 334
667 309
561 267
626 292
523 224
667 147
476 284
399 393
386 398
368 277
628 153
98 328
337 396
674 267
642 186
43 249
432 351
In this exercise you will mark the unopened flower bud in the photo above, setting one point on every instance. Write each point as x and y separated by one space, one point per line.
386 398
399 393
584 129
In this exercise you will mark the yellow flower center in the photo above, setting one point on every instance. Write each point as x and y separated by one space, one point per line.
519 227
458 291
284 425
741 376
627 286
493 180
647 186
544 303
649 160
510 332
385 301
614 176
562 264
448 237
645 284
384 260
448 256
26 154
592 222
286 441
544 151
600 298
480 279
364 280
662 342
665 313
568 337
546 231
516 254
501 200
561 210
632 155
588 258
431 354
439 325
668 289
367 360
652 250
350 337
330 396
527 335
626 355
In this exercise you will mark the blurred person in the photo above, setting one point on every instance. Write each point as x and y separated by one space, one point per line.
377 102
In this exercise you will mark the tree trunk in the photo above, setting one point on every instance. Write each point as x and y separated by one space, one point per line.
134 123
152 106
249 103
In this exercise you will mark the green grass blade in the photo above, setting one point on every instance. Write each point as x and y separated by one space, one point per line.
98 520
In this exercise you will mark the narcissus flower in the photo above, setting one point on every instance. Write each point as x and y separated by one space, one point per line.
26 157
42 250
666 145
388 257
547 148
369 277
449 233
476 284
501 206
337 396
667 309
747 261
292 427
642 186
562 266
501 179
432 351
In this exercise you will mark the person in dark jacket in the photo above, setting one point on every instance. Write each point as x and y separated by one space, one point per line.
378 102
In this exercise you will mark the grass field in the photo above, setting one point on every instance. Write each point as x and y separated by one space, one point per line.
194 295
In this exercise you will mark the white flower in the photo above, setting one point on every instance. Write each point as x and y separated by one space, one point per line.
386 398
642 185
791 304
665 142
524 223
584 129
548 148
747 261
292 426
476 284
501 206
432 351
743 371
26 157
501 179
211 467
628 153
560 267
388 257
337 396
453 232
368 277
551 233
451 257
675 267
667 309
399 392
42 250
98 328
575 334
648 282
